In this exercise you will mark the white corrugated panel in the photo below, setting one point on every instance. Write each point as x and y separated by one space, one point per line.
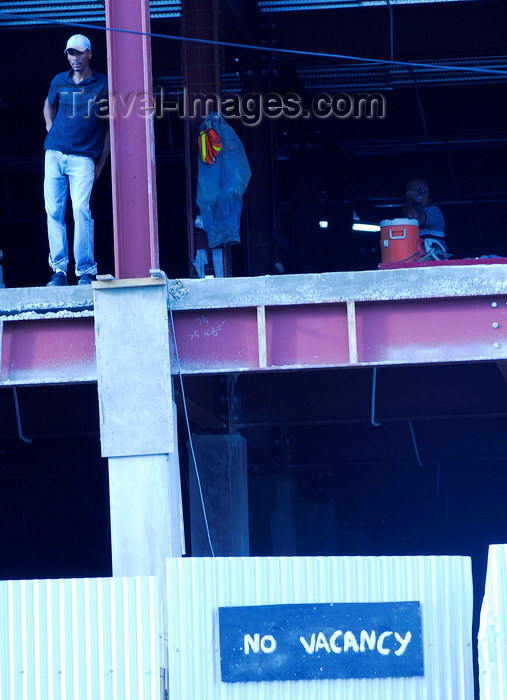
198 586
493 627
79 639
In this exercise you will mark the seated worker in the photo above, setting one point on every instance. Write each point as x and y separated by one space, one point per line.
431 220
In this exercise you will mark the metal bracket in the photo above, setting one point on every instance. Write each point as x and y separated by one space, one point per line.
178 290
373 392
416 449
18 416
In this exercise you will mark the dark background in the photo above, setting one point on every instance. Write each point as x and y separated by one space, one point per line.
357 489
447 125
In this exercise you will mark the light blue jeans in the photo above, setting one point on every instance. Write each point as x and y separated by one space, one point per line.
77 173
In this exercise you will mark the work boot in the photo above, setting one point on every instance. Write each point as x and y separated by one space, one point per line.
58 279
86 278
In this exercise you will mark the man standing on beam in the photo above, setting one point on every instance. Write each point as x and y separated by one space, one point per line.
77 146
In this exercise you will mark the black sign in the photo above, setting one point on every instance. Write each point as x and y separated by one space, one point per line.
312 641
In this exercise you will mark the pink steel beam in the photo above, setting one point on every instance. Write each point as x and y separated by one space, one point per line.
405 332
432 330
303 336
132 138
48 351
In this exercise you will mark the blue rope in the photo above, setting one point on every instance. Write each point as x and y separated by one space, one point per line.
252 47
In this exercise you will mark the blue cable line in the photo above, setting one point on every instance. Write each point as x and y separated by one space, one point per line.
194 461
252 47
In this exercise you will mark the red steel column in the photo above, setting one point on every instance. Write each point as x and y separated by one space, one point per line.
132 138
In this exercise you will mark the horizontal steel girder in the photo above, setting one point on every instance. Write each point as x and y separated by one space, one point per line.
377 317
341 335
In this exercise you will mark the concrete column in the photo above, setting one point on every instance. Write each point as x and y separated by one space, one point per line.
222 465
138 424
145 511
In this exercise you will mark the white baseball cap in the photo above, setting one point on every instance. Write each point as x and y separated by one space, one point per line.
79 42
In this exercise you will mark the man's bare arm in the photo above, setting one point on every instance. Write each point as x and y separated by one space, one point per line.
49 112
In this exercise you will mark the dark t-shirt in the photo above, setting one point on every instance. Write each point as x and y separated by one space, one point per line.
81 117
435 225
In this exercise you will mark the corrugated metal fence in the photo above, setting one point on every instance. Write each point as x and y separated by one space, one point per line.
100 639
198 587
493 627
79 639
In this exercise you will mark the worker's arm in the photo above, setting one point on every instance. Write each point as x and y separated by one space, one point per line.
411 212
103 156
413 208
49 112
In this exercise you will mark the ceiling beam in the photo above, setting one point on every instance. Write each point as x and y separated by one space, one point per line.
425 73
293 5
37 14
